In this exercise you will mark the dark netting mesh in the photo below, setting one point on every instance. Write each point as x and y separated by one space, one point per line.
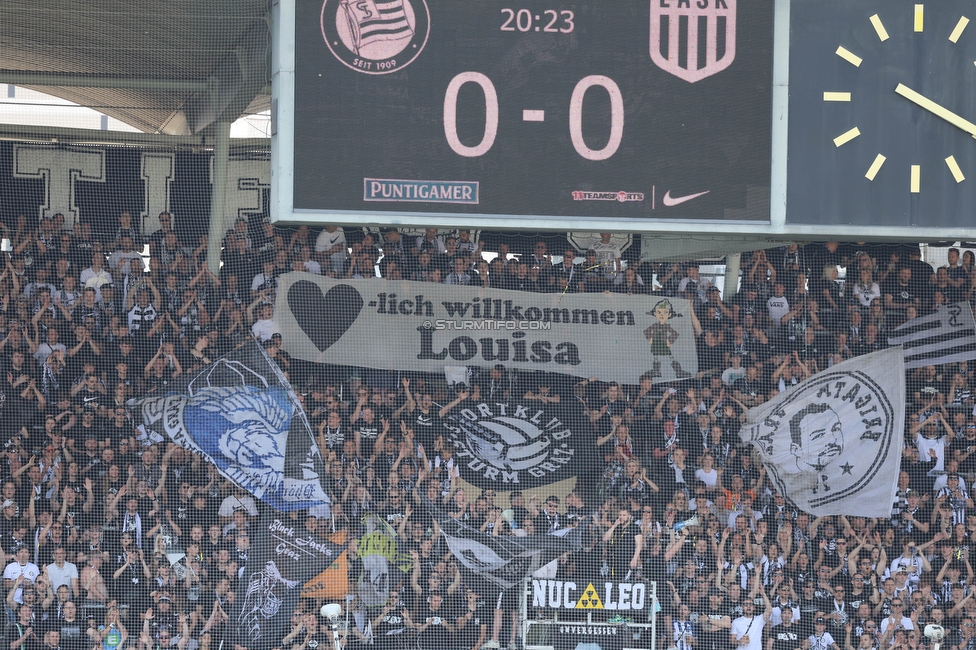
464 396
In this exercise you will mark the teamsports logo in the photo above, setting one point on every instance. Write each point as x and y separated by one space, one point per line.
373 36
622 197
711 22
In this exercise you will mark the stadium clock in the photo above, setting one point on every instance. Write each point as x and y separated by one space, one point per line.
882 113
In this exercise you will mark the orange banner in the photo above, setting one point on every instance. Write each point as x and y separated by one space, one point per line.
331 584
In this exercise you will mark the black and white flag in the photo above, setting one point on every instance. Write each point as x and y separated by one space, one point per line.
502 443
947 336
501 561
284 556
832 444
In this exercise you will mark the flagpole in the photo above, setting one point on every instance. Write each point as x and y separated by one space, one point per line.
654 604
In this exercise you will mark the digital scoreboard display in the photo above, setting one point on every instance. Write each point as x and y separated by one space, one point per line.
625 109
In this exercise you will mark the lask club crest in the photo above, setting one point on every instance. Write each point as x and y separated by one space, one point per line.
375 36
692 39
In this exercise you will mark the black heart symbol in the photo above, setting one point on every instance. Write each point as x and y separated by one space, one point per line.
324 319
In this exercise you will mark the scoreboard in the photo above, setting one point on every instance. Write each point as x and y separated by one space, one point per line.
551 109
789 119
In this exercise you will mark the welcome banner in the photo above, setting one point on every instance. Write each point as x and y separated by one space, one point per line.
425 326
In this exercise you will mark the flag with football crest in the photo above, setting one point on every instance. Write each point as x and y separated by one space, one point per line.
241 414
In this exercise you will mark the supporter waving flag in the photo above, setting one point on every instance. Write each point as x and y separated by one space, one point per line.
832 444
381 556
240 413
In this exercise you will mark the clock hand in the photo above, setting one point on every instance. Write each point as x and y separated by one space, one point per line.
937 110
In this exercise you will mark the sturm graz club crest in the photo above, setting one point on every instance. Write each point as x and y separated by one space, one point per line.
692 39
375 36
512 446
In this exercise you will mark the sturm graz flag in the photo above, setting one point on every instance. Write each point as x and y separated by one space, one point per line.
832 443
241 414
284 557
514 446
500 561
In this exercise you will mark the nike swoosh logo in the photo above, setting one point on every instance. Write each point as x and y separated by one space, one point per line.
668 201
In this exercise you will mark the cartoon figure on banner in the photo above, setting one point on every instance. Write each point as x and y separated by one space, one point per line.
816 439
661 337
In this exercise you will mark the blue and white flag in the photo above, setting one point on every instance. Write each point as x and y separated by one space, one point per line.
946 336
832 444
241 414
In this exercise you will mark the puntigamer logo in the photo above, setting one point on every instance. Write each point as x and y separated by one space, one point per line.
395 190
521 446
375 37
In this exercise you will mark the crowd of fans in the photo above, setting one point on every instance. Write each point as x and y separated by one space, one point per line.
89 505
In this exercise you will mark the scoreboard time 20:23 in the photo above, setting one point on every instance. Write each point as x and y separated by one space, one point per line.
622 109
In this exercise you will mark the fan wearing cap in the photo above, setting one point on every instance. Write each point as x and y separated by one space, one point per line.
910 561
953 499
9 511
714 622
746 631
821 639
20 567
164 617
263 324
914 519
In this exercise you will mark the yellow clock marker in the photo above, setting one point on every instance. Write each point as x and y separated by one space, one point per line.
919 18
875 167
916 178
958 29
844 138
879 28
848 56
954 168
836 97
